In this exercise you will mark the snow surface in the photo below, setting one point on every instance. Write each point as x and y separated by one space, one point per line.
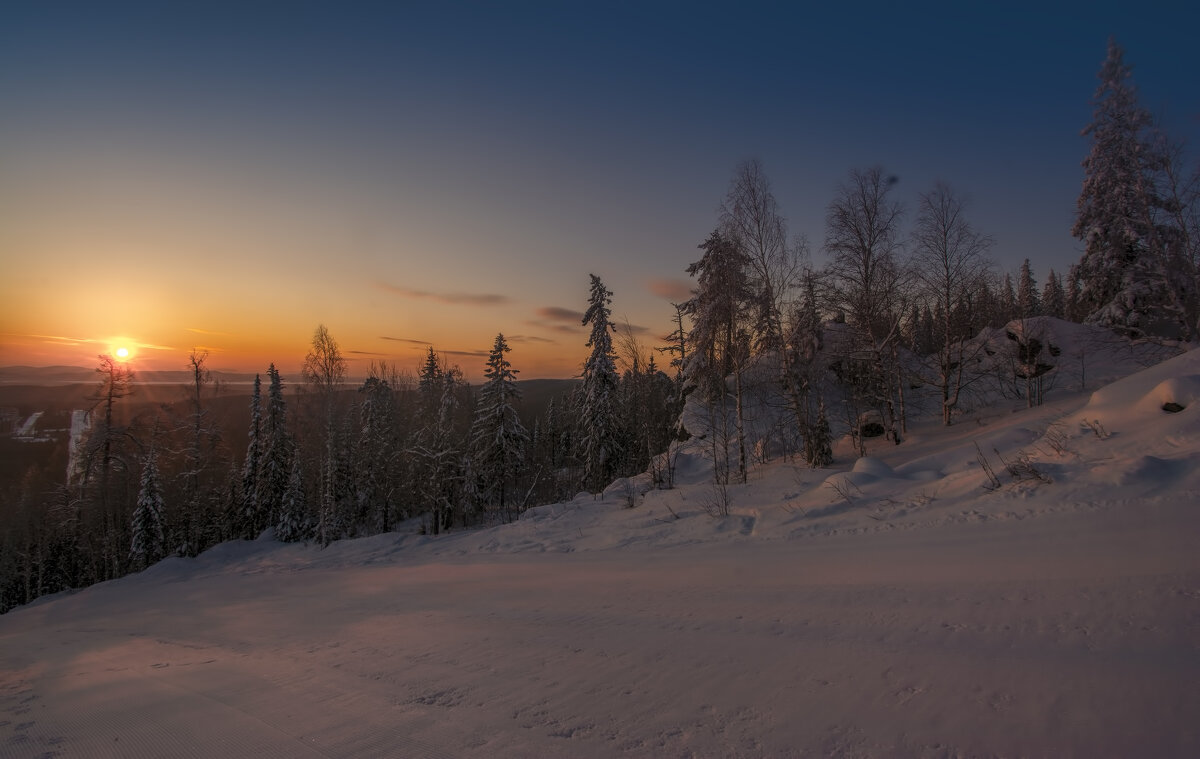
892 606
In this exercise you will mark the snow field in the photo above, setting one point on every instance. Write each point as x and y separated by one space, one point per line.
891 607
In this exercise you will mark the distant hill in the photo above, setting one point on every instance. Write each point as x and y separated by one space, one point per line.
58 375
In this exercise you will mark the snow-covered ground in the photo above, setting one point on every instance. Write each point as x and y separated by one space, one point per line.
892 606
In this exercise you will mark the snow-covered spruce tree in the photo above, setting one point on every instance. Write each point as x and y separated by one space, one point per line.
1054 297
599 434
421 457
294 522
1008 301
444 458
1125 280
148 545
277 451
1028 304
719 342
498 438
1073 305
818 443
249 520
376 453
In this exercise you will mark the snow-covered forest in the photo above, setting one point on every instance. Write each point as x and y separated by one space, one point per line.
893 327
843 395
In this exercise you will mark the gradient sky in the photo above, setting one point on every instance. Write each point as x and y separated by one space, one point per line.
227 176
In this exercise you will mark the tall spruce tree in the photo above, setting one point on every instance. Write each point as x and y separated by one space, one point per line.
148 544
598 423
294 522
1123 272
1054 297
498 439
249 520
275 463
720 343
1028 304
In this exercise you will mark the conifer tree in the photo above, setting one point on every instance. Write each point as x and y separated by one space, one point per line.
248 517
377 448
444 479
597 404
1054 297
818 443
294 523
276 457
1125 276
148 544
1072 305
1008 301
1027 295
498 438
720 342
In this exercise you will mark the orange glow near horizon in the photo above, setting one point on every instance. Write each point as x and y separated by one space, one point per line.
533 356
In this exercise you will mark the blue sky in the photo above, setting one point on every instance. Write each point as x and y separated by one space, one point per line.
439 172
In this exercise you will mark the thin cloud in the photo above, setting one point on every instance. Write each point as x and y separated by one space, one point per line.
557 314
454 299
405 340
206 331
530 339
674 290
563 328
367 353
472 354
59 339
636 329
64 340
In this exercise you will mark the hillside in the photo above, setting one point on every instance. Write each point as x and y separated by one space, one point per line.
902 604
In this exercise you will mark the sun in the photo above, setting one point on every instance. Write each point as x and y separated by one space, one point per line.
122 353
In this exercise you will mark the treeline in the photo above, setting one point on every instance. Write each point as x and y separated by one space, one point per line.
775 353
326 461
897 307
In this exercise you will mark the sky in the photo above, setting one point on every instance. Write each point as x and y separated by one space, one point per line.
227 176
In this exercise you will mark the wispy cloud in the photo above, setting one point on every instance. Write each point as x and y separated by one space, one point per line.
405 340
529 339
72 341
636 329
557 314
367 353
199 331
473 354
56 339
674 290
455 299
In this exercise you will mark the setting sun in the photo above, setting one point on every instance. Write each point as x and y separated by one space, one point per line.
122 353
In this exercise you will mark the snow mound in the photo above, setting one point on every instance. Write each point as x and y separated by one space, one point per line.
1180 392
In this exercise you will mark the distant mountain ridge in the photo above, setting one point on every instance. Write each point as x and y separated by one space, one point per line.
55 375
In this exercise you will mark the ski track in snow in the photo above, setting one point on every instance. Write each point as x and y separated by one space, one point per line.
915 615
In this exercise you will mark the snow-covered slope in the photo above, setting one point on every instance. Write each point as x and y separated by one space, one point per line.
904 604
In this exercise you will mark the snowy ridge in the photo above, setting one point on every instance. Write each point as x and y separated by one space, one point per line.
901 604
